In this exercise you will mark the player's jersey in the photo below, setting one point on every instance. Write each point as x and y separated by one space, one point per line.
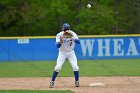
68 44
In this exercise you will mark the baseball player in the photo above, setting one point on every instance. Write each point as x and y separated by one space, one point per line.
65 42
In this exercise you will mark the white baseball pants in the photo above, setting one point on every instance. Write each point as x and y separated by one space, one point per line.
62 56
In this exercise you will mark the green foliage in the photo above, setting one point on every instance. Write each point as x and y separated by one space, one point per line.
128 16
34 17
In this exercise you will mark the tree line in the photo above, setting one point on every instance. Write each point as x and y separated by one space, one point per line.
45 17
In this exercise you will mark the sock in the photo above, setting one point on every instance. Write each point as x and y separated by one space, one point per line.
76 74
54 75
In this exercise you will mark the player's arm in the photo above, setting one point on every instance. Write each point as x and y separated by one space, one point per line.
58 44
77 41
59 41
75 38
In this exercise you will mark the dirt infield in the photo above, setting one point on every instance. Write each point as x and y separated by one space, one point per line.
112 84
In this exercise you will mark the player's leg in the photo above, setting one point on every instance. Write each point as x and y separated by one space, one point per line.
73 61
60 60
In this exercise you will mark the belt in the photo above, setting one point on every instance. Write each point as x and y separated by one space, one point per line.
66 51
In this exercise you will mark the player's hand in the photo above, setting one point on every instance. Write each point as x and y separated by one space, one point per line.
61 39
72 39
67 34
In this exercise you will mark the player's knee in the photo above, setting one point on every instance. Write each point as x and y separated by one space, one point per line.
75 68
57 69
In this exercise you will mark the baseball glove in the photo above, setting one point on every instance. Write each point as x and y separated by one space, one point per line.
67 34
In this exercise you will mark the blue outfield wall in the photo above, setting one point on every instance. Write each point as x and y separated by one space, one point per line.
93 47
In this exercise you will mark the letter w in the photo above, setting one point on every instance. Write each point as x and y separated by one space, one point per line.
87 44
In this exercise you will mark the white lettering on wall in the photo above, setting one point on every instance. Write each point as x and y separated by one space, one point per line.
132 50
23 41
118 50
139 41
105 47
87 45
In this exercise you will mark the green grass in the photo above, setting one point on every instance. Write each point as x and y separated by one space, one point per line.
35 91
118 67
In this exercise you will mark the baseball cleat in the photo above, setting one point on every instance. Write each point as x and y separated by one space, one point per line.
76 83
51 84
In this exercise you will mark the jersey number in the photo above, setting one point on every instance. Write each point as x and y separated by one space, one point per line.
70 42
